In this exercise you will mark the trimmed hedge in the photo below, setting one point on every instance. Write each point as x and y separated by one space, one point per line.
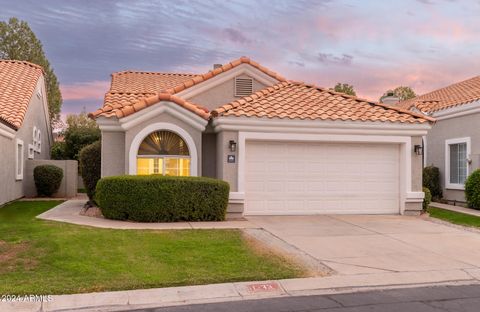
90 166
427 199
157 198
431 180
472 190
47 179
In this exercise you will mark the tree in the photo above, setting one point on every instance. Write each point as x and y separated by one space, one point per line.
18 42
404 93
81 131
344 88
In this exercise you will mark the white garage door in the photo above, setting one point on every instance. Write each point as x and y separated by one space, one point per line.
321 178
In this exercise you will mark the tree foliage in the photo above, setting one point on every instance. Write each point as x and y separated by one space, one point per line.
18 42
404 93
81 131
344 88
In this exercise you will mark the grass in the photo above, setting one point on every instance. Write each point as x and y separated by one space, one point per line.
42 257
454 217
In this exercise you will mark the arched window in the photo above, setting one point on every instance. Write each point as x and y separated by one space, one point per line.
163 152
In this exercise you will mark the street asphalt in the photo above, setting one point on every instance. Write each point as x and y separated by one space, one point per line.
465 298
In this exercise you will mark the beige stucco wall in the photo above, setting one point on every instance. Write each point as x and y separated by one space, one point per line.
222 94
36 116
227 171
459 127
113 153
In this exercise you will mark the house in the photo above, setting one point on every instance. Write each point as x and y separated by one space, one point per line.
453 145
25 131
285 147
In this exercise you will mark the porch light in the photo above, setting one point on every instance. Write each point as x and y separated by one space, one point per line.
418 149
232 145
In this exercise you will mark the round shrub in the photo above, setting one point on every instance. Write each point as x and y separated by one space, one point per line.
431 180
472 190
427 199
159 198
90 165
47 179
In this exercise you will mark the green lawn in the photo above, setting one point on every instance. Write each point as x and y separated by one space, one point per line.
454 217
41 257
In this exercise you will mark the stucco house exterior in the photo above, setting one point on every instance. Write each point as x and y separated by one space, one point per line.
25 131
285 147
453 144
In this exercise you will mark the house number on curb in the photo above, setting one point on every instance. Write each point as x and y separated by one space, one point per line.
263 287
230 159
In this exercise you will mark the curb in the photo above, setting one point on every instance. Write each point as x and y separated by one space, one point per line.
174 296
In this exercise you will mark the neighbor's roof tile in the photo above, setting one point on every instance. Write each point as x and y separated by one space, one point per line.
460 93
294 100
18 80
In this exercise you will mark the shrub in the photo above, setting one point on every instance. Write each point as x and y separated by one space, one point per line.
431 180
81 131
58 151
47 179
472 190
427 199
90 165
159 198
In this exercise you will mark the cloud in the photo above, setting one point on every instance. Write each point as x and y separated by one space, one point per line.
235 35
91 90
329 58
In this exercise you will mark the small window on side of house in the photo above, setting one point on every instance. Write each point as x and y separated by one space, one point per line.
19 160
457 153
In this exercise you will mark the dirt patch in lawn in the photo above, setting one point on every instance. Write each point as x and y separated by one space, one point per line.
11 256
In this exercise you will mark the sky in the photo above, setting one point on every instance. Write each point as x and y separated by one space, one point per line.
373 45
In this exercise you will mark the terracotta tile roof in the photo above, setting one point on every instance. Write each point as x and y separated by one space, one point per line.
130 88
295 100
18 80
460 93
119 110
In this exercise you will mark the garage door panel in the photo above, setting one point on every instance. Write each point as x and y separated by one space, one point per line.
311 178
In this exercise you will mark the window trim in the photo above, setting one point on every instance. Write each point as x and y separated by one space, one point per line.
19 148
455 186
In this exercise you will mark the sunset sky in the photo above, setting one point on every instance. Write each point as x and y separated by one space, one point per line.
374 45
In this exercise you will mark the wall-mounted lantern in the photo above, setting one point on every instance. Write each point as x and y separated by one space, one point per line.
418 149
232 145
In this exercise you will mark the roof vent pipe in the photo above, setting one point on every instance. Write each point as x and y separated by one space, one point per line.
215 66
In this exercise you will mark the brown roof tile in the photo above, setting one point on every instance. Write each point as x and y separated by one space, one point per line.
295 100
460 93
18 80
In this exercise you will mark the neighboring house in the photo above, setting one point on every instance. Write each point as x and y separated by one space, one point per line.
25 131
453 144
284 147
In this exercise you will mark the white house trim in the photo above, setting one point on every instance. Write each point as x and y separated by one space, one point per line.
245 68
316 126
448 185
123 124
424 140
406 194
458 111
6 131
138 139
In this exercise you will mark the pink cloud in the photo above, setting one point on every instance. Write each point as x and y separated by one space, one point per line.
85 90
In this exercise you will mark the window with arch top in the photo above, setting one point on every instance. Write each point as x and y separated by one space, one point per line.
163 152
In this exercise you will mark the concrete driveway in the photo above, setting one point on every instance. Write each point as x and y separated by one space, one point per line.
365 244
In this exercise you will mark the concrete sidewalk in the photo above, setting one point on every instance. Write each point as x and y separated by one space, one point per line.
460 209
69 212
160 297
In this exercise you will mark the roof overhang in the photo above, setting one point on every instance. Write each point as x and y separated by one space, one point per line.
7 131
458 111
163 107
319 126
